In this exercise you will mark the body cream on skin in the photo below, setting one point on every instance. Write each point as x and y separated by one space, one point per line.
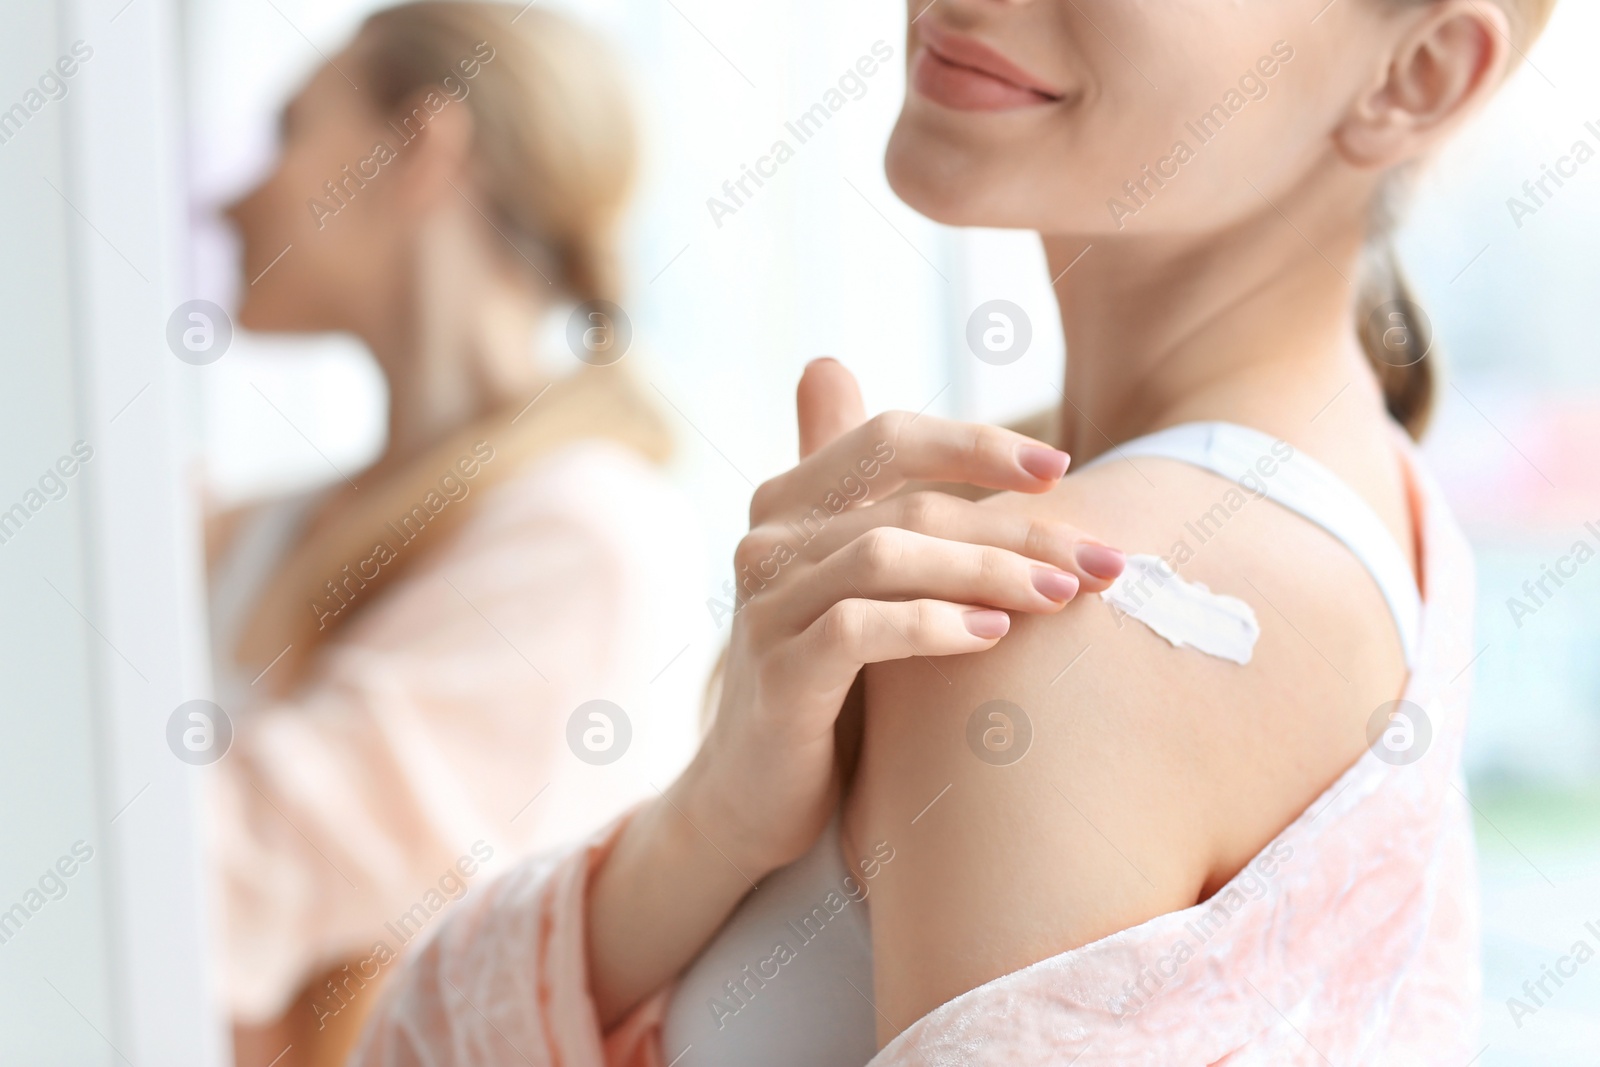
1185 614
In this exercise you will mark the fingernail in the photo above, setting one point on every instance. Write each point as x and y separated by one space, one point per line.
1045 464
1057 585
1101 561
987 623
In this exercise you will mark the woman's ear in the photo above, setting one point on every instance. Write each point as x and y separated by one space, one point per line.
1448 61
438 152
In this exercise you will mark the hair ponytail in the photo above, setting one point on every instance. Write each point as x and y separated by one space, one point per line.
1398 340
592 267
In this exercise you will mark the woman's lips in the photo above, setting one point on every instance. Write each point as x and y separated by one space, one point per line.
964 74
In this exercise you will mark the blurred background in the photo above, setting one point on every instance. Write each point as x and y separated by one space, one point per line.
110 198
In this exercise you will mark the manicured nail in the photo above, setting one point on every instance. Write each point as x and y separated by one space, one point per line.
1100 560
1057 585
987 623
1045 464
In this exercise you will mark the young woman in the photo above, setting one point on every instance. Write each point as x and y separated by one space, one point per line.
401 654
1212 816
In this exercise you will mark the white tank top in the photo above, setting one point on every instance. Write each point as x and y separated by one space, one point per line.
787 981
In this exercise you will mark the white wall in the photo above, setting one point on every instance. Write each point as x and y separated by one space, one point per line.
98 636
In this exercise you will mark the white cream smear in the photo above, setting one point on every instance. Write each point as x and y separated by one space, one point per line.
1186 614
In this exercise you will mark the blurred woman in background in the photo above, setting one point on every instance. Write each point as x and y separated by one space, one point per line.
402 653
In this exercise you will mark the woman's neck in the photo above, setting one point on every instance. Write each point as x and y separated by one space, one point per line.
1251 325
454 346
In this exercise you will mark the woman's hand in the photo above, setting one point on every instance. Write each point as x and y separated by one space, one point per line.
836 572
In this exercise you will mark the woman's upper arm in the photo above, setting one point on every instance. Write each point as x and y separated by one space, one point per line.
1036 799
1011 786
1084 775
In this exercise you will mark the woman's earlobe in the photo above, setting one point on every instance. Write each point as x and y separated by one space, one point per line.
1373 135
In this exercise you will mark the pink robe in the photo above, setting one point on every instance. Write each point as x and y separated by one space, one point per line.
1353 937
431 747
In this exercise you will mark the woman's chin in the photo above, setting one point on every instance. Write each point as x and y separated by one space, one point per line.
929 177
958 185
948 184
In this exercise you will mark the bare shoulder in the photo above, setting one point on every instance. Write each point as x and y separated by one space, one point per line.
1086 775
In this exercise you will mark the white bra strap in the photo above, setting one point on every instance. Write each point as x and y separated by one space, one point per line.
1305 487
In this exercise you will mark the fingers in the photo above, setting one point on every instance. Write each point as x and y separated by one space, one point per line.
858 631
828 402
954 519
888 563
871 461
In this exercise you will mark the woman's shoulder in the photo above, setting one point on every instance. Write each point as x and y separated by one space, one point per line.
594 482
1272 731
590 526
1096 774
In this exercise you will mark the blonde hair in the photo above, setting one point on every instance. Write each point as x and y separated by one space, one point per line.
554 134
1410 380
